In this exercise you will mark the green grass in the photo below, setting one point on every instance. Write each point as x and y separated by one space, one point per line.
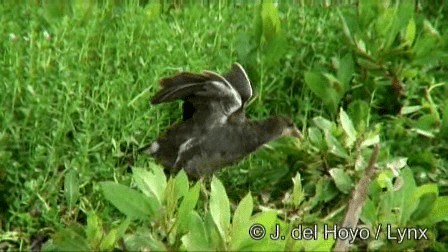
75 85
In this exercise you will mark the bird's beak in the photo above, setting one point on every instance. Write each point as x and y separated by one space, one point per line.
294 132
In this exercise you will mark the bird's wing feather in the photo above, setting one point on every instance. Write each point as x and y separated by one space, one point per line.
238 78
208 93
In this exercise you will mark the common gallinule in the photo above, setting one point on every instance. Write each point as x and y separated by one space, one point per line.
215 131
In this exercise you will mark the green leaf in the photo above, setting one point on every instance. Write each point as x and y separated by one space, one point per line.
109 241
397 205
359 113
321 87
241 222
143 240
325 191
346 70
410 32
181 184
94 229
316 137
343 182
216 241
368 214
128 201
348 127
370 140
438 212
428 27
220 207
71 188
151 183
271 20
186 207
197 238
70 240
425 205
334 146
320 244
269 221
243 212
384 179
410 109
297 192
322 123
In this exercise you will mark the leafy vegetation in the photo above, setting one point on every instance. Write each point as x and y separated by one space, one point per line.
76 77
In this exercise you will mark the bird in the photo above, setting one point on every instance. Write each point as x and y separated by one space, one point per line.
214 131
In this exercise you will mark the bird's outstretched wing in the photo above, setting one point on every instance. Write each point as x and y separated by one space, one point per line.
238 78
209 94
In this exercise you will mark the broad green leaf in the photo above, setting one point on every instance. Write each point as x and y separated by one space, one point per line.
269 221
397 206
181 184
170 199
438 212
143 240
334 146
410 32
216 241
109 241
425 205
320 244
197 238
128 201
334 83
186 207
368 214
71 188
359 113
297 192
317 83
241 222
316 137
325 191
343 182
370 140
70 240
348 127
427 188
384 22
220 207
151 183
322 123
243 212
321 87
94 229
346 70
345 27
271 20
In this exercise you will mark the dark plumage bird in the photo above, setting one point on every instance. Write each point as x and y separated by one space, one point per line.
215 131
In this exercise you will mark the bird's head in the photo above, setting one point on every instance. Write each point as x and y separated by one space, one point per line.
285 127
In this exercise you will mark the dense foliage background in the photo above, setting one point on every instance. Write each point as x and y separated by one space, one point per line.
76 78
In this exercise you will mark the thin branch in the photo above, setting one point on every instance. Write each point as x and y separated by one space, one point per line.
358 197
